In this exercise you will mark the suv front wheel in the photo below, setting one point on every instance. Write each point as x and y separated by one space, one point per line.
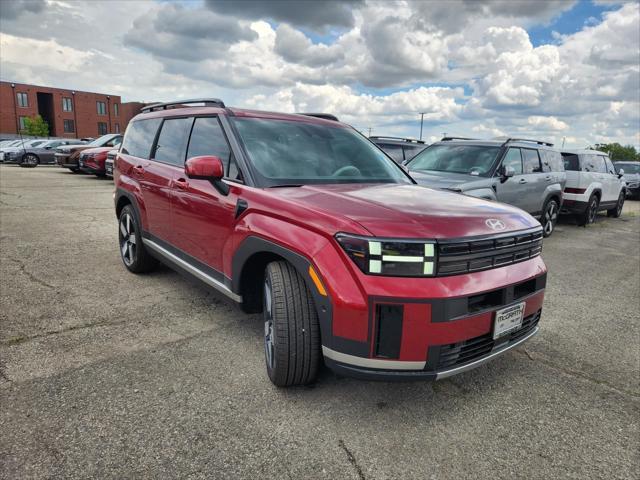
616 211
291 329
549 217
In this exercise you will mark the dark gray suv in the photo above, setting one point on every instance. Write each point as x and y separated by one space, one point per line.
526 173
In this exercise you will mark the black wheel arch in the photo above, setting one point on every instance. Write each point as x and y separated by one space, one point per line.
248 266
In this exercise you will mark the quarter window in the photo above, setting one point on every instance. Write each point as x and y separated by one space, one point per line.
207 138
531 161
23 99
69 126
102 108
139 137
513 159
67 104
172 142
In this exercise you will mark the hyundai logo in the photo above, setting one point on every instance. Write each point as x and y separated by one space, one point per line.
495 224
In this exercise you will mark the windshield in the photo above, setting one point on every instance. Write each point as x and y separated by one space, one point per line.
469 159
100 141
294 153
628 167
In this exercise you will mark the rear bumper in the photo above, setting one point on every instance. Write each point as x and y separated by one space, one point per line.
574 206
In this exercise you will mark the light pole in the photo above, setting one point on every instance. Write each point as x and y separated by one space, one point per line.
563 139
421 121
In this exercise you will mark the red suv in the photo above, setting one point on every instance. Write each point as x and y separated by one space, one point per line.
349 260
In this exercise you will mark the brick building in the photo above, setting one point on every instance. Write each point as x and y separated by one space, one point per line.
69 113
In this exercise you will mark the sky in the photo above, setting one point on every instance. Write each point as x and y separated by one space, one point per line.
557 70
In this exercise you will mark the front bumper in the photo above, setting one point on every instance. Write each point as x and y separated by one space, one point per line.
65 161
441 326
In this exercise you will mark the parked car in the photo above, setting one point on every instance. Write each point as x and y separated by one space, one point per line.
42 154
401 150
348 259
68 156
109 162
19 146
630 172
92 160
528 174
593 185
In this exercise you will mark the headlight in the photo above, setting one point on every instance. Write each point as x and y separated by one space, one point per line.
392 258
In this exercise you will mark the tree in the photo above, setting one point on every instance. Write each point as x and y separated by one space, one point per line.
36 127
617 151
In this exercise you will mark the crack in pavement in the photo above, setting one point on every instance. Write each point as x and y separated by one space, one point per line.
31 276
352 459
575 373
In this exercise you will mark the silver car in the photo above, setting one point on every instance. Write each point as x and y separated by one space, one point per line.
526 173
37 154
631 176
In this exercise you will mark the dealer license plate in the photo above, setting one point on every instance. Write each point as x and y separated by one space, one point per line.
508 320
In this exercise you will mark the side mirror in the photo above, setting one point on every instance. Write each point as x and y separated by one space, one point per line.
620 173
207 167
506 172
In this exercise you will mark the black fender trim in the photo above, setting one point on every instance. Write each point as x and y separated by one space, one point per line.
254 245
132 199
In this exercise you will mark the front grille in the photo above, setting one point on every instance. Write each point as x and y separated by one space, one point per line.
457 354
463 256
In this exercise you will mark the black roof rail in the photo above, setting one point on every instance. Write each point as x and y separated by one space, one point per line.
326 116
448 139
208 102
382 137
539 142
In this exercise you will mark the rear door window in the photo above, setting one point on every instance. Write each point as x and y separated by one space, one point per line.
513 159
140 136
207 138
571 162
531 161
172 141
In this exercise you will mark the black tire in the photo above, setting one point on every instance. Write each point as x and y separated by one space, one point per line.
549 217
134 255
616 211
292 332
29 160
591 212
74 170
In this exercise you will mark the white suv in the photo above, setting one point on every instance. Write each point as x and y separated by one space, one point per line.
592 185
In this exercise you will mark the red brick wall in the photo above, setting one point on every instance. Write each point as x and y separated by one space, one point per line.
84 114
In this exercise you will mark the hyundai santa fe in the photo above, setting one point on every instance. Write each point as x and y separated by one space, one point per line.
348 259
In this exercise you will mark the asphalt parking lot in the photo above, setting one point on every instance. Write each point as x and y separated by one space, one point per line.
105 374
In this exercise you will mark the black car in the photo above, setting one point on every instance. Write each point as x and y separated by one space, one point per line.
401 150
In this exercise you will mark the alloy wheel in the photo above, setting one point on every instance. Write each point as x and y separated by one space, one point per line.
620 205
30 159
550 218
593 210
127 236
268 326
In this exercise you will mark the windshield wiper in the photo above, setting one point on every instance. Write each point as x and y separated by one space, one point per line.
284 185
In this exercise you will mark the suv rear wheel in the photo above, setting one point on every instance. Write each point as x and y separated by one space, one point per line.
589 215
549 217
291 330
134 256
616 211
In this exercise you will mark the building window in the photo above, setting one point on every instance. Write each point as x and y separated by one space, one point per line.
67 105
115 109
23 100
69 126
22 121
102 128
117 128
102 108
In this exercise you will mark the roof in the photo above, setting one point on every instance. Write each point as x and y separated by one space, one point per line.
396 140
177 108
584 151
496 142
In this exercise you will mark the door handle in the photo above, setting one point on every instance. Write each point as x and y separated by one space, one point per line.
548 178
181 183
522 181
138 169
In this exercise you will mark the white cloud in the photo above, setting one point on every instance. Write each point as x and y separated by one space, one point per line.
547 123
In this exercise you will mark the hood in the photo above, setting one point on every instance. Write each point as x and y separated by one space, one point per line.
71 148
434 179
96 150
409 211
